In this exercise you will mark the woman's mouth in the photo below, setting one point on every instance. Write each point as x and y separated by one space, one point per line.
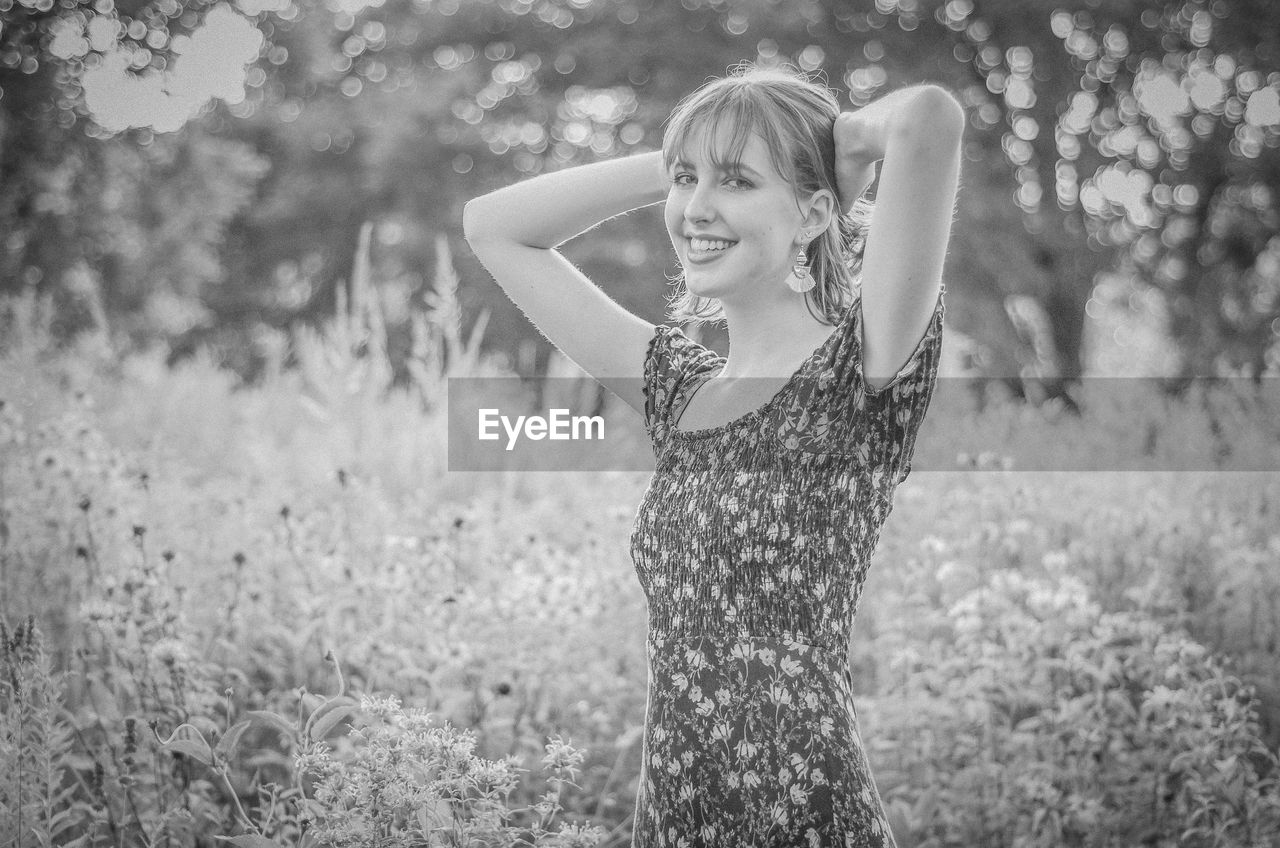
708 250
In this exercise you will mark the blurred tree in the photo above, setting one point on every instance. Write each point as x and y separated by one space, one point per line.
490 93
1103 136
1156 144
101 215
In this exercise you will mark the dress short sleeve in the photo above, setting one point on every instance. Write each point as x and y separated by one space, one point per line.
893 412
906 397
672 358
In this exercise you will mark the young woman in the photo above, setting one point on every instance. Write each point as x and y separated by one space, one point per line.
777 465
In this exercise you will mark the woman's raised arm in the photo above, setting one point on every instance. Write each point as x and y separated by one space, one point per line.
917 132
514 232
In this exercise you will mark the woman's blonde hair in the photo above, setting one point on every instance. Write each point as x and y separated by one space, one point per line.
795 116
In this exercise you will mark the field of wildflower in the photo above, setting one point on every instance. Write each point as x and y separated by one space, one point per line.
268 615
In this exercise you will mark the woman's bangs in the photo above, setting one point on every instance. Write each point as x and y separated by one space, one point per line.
735 117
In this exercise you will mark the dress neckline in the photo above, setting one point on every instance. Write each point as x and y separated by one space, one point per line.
686 395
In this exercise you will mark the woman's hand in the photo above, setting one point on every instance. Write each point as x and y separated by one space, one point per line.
863 135
856 157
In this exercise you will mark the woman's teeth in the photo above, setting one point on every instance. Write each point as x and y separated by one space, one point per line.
704 245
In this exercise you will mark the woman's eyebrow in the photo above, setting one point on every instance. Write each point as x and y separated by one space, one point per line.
680 163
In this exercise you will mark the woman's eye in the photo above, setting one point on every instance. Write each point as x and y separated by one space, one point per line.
678 177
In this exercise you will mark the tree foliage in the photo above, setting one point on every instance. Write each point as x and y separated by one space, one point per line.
1138 137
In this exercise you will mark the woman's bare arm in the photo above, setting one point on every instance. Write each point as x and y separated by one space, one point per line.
917 132
514 232
548 210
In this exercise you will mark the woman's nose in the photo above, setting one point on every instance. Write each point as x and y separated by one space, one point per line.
701 203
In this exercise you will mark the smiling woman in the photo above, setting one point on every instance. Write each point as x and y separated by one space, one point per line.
776 466
729 223
752 158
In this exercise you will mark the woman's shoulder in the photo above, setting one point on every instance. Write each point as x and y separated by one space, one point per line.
671 346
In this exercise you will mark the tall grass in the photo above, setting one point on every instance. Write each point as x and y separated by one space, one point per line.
1054 659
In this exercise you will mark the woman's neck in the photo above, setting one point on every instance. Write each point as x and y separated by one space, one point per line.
771 339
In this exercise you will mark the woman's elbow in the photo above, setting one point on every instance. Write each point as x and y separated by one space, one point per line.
938 112
472 221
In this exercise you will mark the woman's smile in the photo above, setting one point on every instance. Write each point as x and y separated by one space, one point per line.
731 220
701 251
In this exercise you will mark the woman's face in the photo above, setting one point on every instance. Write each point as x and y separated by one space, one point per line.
754 210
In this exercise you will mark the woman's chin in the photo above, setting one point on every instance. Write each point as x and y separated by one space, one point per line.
701 287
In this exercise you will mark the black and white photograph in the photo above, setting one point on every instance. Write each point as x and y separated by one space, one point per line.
639 424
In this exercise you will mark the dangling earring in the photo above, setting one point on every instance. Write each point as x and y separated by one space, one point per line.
800 280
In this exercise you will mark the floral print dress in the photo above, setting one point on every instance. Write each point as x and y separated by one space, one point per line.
752 542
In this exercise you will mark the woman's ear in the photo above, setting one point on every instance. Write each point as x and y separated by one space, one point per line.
824 207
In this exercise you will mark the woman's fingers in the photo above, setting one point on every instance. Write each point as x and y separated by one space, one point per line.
855 166
852 137
853 178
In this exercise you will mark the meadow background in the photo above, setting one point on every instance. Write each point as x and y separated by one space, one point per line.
245 601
